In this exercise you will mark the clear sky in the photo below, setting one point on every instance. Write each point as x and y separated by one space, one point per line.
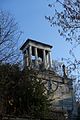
30 15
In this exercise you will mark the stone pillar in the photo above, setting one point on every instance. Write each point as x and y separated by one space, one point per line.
49 58
25 58
36 56
27 61
44 58
30 54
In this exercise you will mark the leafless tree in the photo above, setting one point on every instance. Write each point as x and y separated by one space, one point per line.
66 16
9 38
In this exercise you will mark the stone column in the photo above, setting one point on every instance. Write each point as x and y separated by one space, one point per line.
24 61
27 61
49 58
24 58
36 56
30 54
44 58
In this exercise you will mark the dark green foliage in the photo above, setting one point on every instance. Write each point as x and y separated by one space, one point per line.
22 93
9 77
36 103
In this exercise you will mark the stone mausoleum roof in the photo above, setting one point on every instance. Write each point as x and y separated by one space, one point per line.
35 42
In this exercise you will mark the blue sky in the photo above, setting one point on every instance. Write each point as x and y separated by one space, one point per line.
30 15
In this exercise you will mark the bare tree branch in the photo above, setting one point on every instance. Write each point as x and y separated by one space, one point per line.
66 16
9 37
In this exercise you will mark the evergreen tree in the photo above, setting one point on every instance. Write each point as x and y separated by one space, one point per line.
22 93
